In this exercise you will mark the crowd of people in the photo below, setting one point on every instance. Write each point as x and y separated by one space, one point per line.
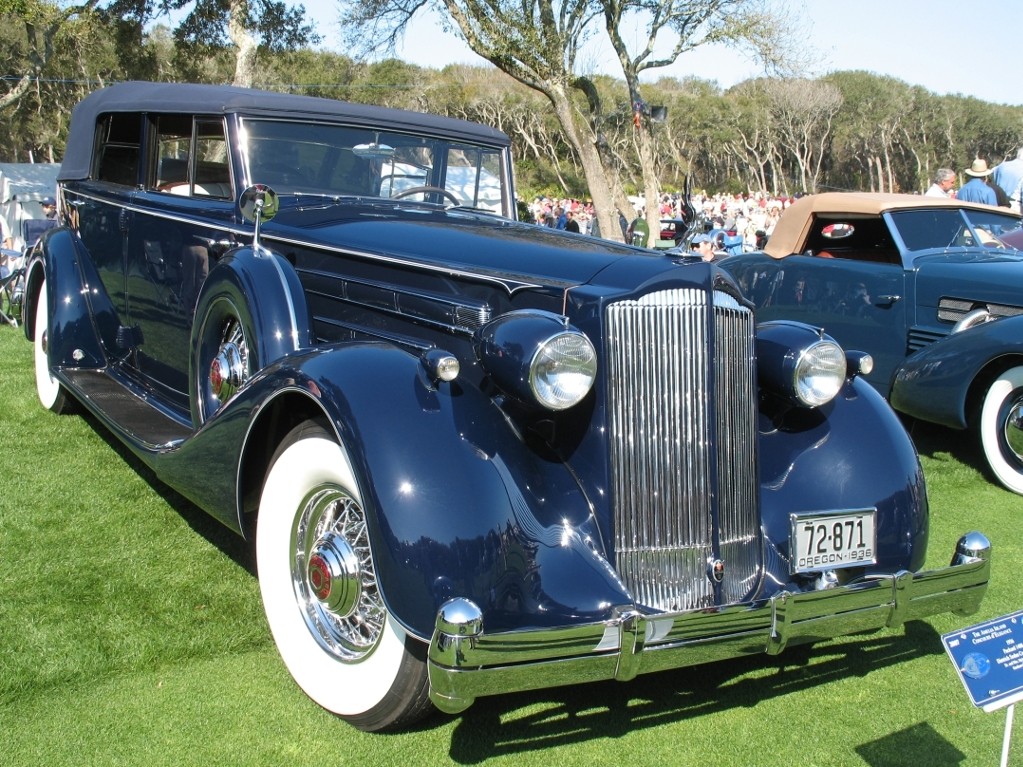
752 216
1001 185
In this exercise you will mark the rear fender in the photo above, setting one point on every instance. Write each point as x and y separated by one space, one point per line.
83 321
934 383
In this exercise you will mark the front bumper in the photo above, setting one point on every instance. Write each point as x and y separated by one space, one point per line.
466 663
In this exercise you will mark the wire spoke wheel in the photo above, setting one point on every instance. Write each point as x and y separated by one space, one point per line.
320 591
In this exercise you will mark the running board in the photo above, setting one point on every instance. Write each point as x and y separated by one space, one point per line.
118 404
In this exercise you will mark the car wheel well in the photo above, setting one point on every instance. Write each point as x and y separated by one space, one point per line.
33 283
982 382
279 417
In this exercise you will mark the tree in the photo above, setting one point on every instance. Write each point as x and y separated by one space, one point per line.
248 25
49 54
41 23
749 24
537 43
802 112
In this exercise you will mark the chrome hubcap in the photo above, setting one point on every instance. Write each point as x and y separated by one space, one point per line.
230 367
1013 429
333 576
227 372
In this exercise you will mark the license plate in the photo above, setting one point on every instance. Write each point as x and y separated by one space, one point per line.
832 541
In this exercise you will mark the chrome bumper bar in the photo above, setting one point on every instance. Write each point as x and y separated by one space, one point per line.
466 663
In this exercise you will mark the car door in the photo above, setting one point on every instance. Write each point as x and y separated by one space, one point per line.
860 303
99 211
180 226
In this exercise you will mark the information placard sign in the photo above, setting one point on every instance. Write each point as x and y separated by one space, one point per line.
989 660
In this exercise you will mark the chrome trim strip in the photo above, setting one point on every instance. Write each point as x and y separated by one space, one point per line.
465 667
510 285
206 223
292 314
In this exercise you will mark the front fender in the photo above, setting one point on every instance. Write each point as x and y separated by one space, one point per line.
853 453
934 383
463 507
458 504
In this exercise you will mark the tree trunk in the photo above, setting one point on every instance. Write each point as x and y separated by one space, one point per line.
593 169
245 57
651 187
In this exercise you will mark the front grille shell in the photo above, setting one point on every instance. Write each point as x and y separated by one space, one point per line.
682 409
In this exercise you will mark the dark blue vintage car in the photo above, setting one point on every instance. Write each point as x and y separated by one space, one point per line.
927 286
475 455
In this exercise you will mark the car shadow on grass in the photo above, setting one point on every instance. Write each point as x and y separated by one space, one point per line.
940 443
227 541
512 724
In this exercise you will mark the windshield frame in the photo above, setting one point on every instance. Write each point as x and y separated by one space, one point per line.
319 158
929 229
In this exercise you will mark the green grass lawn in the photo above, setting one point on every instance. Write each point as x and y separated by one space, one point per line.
131 633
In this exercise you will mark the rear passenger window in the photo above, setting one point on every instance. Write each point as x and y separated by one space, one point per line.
117 158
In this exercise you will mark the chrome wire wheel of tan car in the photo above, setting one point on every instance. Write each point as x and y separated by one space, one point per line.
1001 428
320 591
51 392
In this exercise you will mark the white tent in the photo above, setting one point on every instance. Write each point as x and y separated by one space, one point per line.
22 186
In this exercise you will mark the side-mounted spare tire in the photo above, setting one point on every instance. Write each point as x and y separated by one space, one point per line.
251 311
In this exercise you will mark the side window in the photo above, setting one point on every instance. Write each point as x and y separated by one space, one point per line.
173 148
191 157
118 151
473 175
212 169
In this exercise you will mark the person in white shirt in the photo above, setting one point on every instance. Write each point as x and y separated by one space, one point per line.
944 180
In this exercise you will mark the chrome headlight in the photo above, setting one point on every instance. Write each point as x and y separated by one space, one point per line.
562 370
819 373
800 363
538 358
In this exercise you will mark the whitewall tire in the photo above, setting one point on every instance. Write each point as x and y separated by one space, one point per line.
1001 428
319 588
52 395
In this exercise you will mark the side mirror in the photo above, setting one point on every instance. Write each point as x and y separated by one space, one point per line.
257 204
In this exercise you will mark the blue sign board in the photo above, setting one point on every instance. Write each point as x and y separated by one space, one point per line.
989 660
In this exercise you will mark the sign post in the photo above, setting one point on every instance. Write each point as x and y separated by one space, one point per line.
988 658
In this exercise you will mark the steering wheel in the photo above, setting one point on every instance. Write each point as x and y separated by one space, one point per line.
418 189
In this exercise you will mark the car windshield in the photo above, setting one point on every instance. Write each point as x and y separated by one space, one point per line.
316 158
952 228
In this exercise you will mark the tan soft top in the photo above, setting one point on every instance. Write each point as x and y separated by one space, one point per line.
793 228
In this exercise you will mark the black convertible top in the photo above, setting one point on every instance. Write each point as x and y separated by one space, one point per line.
192 98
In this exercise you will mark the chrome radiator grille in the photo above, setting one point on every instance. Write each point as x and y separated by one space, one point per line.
682 408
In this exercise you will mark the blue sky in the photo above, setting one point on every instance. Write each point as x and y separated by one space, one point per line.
946 46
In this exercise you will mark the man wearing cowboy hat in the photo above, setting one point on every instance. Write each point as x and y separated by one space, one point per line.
976 189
